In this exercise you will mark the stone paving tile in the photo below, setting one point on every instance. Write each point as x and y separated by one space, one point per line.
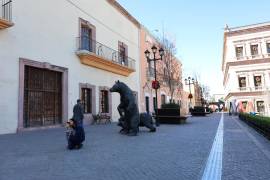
173 152
242 159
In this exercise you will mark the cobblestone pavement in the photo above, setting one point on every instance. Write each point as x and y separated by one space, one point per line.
173 152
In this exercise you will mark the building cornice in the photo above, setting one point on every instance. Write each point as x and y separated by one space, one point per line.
248 30
123 11
257 93
242 63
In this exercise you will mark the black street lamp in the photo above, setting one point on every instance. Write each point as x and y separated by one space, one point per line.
189 81
155 85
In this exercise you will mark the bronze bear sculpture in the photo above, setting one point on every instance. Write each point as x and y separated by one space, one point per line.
129 112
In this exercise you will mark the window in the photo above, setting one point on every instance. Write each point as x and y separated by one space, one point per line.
154 103
86 38
260 106
244 103
147 104
163 99
257 81
86 96
268 48
239 52
254 50
242 83
135 96
122 53
104 101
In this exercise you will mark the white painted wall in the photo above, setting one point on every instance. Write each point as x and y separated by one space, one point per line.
46 31
231 83
248 39
245 40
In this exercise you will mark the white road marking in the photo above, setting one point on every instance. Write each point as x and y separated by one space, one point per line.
213 168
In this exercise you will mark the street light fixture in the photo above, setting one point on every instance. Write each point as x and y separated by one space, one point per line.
189 81
155 84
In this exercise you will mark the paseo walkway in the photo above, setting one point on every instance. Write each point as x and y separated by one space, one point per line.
217 146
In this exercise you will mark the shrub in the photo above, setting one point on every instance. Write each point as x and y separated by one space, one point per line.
198 111
260 122
170 106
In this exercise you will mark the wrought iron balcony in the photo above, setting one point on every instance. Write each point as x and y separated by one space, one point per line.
95 54
6 14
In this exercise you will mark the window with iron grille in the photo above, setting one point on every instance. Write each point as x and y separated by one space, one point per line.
260 106
258 81
86 38
244 103
268 47
86 97
104 101
242 82
239 52
122 48
254 50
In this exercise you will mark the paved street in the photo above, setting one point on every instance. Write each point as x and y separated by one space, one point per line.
173 152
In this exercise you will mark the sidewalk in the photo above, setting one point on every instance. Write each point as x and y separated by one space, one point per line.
246 153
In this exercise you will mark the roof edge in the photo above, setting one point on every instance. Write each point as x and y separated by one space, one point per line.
122 10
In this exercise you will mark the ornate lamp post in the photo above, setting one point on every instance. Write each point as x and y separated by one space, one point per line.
189 81
155 84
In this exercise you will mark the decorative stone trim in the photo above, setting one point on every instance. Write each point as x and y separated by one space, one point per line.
43 65
242 63
88 118
259 93
109 99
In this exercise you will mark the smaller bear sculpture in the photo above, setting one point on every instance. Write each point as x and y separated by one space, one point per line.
145 121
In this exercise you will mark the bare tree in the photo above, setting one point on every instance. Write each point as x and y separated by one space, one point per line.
169 71
205 91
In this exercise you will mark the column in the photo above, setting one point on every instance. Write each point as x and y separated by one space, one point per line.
251 81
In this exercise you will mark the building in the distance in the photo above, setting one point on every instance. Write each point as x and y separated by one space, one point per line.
246 68
54 52
148 96
196 90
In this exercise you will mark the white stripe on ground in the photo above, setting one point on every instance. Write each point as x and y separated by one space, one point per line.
253 138
213 168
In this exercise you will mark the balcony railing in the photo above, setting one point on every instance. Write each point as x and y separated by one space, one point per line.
6 14
6 10
87 45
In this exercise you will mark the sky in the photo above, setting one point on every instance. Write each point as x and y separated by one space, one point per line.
197 28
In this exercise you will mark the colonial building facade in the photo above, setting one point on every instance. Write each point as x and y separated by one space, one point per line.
246 68
51 55
147 95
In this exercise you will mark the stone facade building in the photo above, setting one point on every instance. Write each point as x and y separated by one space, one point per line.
54 52
147 98
246 68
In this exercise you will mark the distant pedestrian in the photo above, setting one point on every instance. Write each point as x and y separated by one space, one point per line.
78 112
